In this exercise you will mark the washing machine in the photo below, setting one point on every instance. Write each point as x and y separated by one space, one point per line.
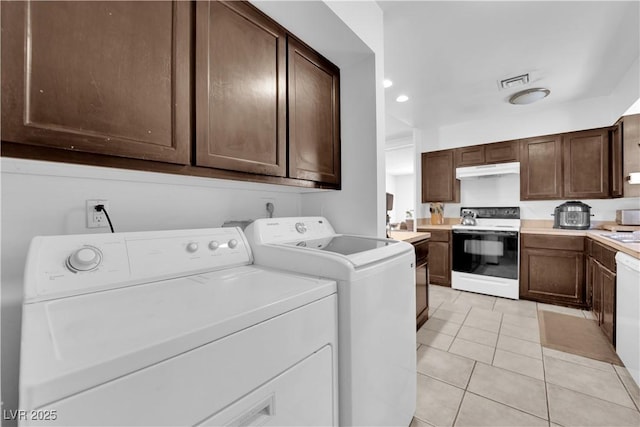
173 328
376 310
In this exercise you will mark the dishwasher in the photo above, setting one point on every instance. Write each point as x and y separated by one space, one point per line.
628 313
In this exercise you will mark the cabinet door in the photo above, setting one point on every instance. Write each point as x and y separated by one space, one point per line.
108 77
440 263
608 304
554 276
439 183
240 89
586 164
617 174
314 115
541 168
502 152
470 156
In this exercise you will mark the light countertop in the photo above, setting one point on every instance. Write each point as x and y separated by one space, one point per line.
434 227
409 236
632 249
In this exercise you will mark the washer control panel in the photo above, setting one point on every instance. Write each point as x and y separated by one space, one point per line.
60 266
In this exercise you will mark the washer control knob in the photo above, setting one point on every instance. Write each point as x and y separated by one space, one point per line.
84 259
301 228
192 247
213 245
232 243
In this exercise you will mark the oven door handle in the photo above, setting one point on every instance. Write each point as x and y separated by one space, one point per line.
487 232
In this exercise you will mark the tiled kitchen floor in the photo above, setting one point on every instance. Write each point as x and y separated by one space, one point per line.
480 363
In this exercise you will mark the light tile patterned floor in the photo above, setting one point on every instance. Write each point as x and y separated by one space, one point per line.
480 363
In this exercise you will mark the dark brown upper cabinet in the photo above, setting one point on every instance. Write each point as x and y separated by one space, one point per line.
586 164
470 156
541 168
314 115
439 183
502 152
617 164
497 152
241 111
98 77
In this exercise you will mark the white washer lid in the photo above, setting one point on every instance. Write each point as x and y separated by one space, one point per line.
71 344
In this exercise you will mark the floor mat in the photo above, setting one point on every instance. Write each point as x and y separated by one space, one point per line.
575 335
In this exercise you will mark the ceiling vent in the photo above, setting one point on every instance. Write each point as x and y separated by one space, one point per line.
513 82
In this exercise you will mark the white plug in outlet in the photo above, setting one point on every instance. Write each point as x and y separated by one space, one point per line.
96 219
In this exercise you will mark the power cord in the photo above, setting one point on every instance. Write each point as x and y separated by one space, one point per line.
100 208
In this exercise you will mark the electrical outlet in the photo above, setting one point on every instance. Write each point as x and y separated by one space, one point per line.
96 219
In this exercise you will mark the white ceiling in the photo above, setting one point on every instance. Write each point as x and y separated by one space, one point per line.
448 56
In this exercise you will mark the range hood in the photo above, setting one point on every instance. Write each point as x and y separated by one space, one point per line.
488 170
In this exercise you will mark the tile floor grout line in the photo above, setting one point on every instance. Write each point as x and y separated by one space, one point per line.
593 397
626 389
504 404
495 349
546 388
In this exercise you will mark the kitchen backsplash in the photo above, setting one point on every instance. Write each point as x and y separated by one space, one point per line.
505 191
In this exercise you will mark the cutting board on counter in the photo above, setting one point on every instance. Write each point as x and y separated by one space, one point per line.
617 227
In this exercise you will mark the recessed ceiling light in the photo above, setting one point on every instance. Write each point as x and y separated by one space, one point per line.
387 83
402 98
529 96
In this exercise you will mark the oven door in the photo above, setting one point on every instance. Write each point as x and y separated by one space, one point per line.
486 253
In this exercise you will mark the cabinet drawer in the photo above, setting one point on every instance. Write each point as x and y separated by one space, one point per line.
440 235
604 255
545 241
422 252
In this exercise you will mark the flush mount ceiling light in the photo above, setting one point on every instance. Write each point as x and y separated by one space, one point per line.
387 83
402 98
529 96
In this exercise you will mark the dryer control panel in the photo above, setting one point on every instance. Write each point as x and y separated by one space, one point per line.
281 230
59 266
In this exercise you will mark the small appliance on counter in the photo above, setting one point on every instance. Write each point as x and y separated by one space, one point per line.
572 215
628 217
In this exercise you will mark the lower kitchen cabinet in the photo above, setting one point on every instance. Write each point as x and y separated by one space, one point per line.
440 257
552 269
601 281
422 282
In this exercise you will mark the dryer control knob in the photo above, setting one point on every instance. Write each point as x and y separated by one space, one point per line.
213 245
84 259
232 243
192 247
301 228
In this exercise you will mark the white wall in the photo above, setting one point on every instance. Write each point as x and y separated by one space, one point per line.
505 191
404 197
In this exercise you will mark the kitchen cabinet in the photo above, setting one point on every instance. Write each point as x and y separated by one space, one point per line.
422 282
98 77
601 280
541 168
440 257
314 115
470 156
552 269
502 152
617 166
212 89
240 125
439 183
497 152
586 164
